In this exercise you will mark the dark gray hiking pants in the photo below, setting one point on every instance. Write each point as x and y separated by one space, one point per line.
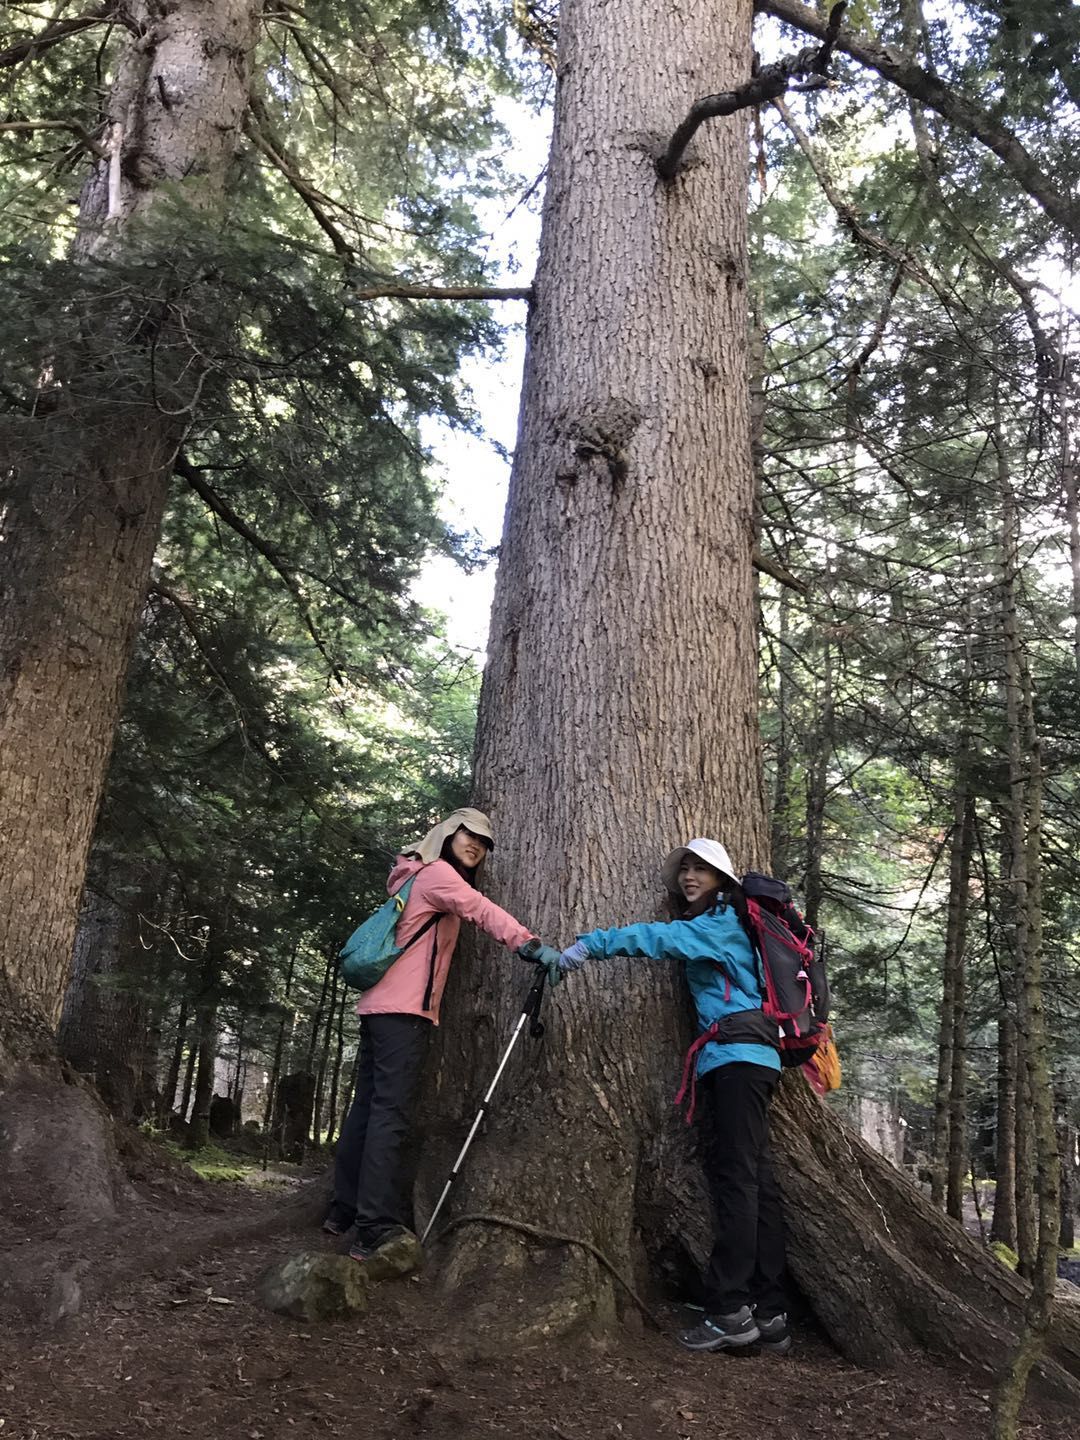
748 1260
368 1164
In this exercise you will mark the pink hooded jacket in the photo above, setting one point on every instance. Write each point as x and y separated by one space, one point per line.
437 889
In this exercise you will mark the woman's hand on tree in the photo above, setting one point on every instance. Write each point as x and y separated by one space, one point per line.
538 953
574 956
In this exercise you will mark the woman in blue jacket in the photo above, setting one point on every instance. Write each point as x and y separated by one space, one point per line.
737 1063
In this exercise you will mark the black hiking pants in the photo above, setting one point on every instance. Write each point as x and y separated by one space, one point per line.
368 1162
748 1260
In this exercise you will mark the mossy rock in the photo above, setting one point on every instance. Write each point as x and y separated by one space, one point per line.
314 1288
396 1258
1001 1251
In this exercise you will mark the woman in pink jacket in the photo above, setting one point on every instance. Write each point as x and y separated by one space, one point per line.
396 1017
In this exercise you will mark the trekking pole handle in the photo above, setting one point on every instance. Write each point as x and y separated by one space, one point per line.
533 1002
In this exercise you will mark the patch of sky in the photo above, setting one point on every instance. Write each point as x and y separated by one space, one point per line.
474 468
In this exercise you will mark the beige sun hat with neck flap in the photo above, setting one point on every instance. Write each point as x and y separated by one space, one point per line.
430 847
711 851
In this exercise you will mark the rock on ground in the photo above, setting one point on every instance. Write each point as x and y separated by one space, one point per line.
314 1287
403 1255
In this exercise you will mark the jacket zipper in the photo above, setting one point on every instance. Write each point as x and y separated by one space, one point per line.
431 968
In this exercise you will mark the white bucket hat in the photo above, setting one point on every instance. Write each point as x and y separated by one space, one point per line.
711 851
430 847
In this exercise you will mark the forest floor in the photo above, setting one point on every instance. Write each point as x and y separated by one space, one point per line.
185 1352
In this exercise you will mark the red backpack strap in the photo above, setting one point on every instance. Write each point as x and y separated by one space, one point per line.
689 1076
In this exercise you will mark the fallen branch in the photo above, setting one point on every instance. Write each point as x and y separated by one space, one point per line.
771 81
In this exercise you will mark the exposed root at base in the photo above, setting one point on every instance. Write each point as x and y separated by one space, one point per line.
553 1237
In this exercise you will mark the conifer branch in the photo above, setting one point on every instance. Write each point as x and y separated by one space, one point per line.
31 46
29 126
922 85
441 292
257 128
903 260
811 61
194 478
777 571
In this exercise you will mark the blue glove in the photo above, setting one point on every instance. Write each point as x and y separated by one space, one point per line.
539 954
574 956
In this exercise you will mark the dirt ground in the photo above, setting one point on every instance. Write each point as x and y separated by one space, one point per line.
187 1353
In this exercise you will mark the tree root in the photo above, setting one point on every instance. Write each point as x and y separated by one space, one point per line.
553 1237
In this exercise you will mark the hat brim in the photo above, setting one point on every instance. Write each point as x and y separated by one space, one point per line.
711 852
475 821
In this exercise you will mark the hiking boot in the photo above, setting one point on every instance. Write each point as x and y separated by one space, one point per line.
722 1332
363 1249
774 1334
337 1222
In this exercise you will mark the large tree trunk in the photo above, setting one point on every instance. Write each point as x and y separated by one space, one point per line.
81 518
619 712
85 487
618 718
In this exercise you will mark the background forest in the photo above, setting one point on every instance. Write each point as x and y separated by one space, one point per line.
293 714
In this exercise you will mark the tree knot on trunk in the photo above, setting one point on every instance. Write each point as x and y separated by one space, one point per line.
604 431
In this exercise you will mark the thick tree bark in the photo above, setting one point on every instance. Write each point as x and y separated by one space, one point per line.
83 492
619 713
72 591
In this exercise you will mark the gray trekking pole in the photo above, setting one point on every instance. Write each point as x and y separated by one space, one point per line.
533 1001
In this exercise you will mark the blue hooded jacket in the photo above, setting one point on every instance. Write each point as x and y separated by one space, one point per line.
720 970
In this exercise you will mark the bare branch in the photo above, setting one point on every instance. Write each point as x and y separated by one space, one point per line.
441 292
922 85
83 136
777 571
766 85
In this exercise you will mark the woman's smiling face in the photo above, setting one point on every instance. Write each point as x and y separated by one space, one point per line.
466 848
696 878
